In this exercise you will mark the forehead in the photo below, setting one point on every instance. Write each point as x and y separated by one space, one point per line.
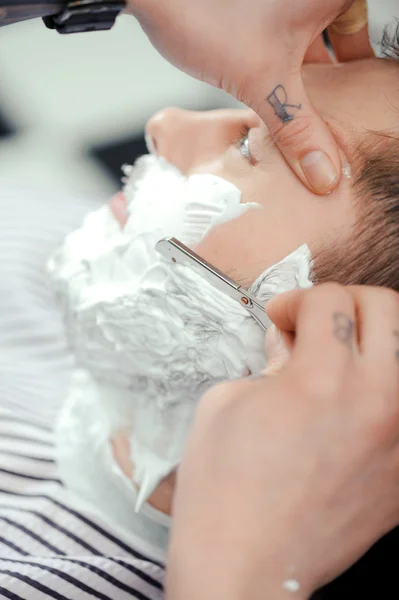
363 95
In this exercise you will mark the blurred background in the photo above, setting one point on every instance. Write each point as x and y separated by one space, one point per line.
73 108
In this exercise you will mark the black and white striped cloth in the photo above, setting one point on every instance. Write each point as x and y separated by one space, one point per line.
51 546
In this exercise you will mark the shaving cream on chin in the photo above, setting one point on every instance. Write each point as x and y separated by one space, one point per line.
150 336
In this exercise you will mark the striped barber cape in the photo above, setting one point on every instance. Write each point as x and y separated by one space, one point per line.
50 545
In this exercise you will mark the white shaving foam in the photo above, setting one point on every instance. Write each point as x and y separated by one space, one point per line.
154 336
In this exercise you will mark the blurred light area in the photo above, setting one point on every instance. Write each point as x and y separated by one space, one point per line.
65 95
382 14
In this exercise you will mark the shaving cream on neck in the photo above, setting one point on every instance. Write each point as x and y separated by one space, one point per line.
151 336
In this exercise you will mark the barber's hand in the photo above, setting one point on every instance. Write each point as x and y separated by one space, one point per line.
291 478
254 49
348 35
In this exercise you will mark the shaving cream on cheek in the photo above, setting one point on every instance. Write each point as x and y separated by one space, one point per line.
153 336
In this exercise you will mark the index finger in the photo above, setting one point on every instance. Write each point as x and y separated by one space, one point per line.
283 310
323 321
349 34
287 309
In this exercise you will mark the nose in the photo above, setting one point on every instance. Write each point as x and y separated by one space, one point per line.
189 139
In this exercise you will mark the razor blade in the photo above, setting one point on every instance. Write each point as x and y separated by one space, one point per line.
175 251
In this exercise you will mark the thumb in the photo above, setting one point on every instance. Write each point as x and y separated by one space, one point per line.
303 138
284 310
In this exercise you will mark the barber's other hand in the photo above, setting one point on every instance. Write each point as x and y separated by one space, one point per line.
349 37
254 49
293 477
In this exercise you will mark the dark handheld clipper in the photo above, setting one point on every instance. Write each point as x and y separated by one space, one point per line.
65 17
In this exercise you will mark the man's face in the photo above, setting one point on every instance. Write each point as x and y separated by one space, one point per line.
355 99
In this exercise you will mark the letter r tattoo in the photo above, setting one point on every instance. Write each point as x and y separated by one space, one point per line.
278 101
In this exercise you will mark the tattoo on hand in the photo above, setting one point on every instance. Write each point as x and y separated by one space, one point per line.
396 334
344 328
278 100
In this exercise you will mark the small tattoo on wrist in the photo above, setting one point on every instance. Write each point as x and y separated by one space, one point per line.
344 328
278 101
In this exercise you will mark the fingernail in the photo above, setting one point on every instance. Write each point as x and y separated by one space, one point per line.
319 171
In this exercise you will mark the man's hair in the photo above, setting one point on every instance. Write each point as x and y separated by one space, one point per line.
371 257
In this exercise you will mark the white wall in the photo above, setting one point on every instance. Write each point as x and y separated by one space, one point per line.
67 93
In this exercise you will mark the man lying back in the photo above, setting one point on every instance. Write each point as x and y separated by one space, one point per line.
150 337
